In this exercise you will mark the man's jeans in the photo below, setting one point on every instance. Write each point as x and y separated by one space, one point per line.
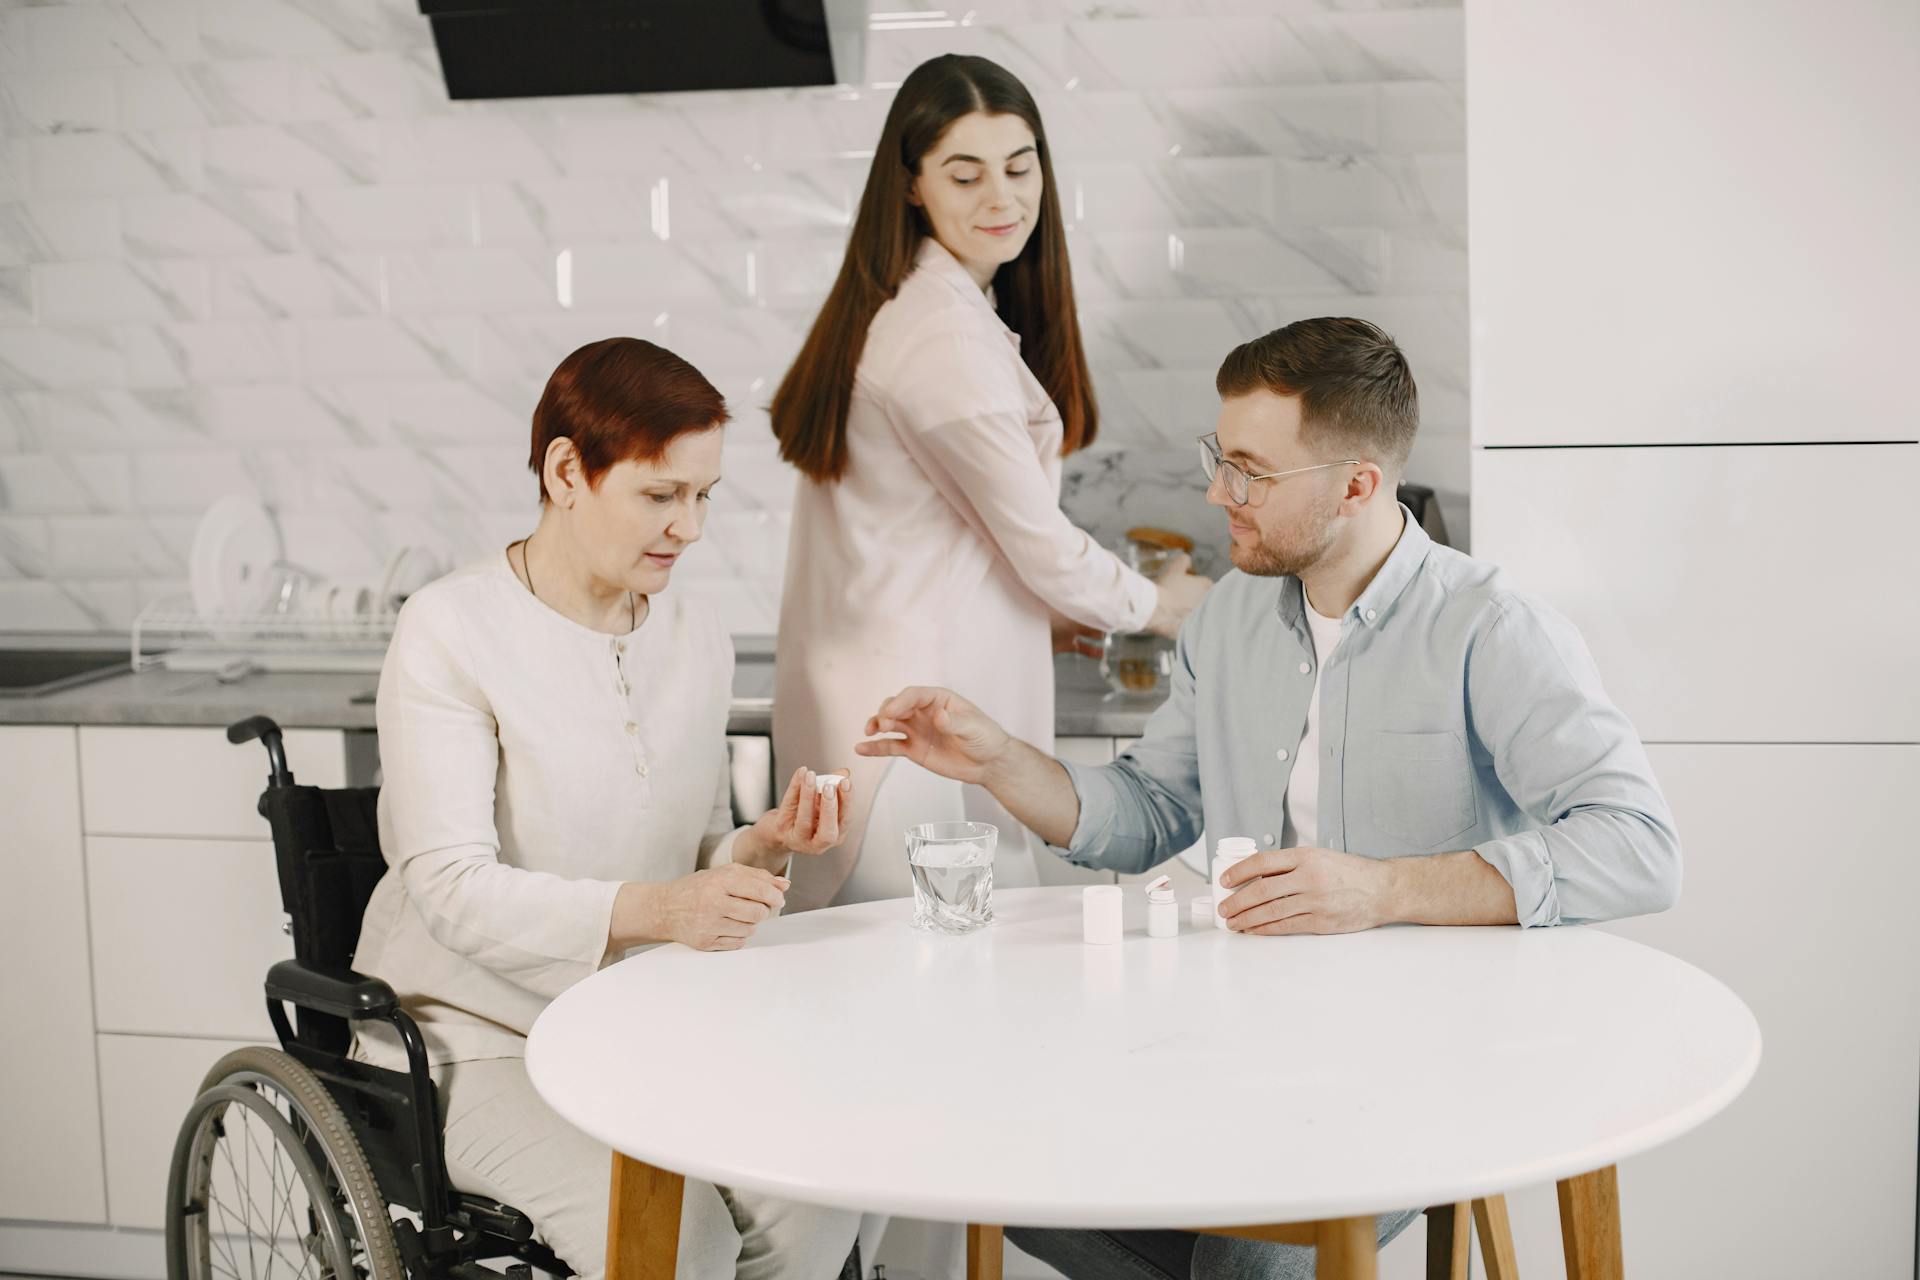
1177 1255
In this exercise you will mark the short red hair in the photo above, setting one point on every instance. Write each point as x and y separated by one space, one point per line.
621 399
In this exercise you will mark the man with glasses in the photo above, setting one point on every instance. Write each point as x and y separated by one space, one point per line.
1405 736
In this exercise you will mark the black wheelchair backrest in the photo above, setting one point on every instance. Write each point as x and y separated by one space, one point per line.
326 844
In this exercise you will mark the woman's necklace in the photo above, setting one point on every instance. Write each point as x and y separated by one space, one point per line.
526 566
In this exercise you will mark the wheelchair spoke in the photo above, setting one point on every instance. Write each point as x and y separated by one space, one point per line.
216 1241
225 1238
263 1170
309 1243
241 1185
284 1200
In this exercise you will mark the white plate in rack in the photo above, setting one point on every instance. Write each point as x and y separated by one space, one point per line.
233 548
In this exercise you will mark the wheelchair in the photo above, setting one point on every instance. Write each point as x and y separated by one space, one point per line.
298 1156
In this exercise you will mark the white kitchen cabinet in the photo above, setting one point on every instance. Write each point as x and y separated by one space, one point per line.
49 1100
184 899
1790 852
146 1084
183 934
1743 595
192 782
1723 254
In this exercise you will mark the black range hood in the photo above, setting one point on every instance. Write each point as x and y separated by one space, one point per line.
539 48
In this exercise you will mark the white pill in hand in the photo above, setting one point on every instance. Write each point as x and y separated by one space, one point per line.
825 782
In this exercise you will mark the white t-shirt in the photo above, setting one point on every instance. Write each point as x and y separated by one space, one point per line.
1303 789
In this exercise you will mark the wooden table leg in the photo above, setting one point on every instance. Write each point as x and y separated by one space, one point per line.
1449 1241
1590 1225
1496 1238
1346 1249
643 1221
986 1249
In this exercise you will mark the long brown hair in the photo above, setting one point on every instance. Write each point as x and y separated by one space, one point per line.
1034 292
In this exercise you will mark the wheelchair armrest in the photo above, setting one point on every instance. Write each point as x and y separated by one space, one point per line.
340 992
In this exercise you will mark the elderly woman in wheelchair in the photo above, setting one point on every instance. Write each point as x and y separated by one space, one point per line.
552 734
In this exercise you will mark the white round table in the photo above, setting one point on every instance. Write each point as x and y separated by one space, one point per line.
845 1058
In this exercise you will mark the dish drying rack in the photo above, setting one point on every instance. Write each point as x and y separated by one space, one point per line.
173 635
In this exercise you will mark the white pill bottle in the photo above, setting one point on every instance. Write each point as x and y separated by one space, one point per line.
1229 850
1163 910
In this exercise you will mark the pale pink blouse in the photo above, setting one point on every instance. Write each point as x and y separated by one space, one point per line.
939 555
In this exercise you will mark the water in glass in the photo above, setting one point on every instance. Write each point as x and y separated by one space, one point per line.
952 866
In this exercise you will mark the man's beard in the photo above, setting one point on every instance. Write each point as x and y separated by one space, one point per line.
1293 551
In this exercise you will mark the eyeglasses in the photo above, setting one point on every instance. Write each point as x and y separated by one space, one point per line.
1235 480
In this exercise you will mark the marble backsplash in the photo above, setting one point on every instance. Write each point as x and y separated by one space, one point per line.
250 246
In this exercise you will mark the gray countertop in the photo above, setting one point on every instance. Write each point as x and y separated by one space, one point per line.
1083 707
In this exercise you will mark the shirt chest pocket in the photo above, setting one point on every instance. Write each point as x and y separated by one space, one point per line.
1416 787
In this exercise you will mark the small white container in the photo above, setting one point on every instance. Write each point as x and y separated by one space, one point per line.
1100 913
1163 910
1229 850
1200 910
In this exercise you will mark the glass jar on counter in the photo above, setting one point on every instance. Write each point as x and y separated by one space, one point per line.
1139 663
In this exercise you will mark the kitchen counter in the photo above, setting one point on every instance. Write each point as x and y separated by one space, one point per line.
1083 707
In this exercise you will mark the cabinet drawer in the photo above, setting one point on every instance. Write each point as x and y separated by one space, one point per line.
192 782
183 934
49 1102
146 1084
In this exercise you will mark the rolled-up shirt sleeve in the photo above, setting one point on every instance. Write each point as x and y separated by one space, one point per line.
1144 807
1606 846
963 417
440 756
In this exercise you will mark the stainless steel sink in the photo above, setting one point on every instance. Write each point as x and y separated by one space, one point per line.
33 673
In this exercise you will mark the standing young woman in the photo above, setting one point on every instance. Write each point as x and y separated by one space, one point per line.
928 413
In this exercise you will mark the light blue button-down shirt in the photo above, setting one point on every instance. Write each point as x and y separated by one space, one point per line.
1455 713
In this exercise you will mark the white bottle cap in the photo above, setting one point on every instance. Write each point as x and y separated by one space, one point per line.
1235 847
1160 890
1200 910
1100 913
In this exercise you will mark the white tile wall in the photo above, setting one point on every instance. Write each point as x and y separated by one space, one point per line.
249 245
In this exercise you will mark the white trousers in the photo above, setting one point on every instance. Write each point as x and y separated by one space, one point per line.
504 1142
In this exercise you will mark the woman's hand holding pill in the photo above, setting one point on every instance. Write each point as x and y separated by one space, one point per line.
808 819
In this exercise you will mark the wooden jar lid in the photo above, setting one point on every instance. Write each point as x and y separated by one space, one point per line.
1166 538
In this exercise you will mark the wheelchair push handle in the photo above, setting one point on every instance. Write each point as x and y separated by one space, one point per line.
268 732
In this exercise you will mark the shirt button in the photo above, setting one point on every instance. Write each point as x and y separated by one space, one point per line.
632 727
1372 614
642 766
1281 754
619 646
1267 839
1305 667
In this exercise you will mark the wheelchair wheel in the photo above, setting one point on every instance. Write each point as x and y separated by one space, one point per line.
266 1175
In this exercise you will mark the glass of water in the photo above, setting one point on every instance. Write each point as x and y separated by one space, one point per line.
952 866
